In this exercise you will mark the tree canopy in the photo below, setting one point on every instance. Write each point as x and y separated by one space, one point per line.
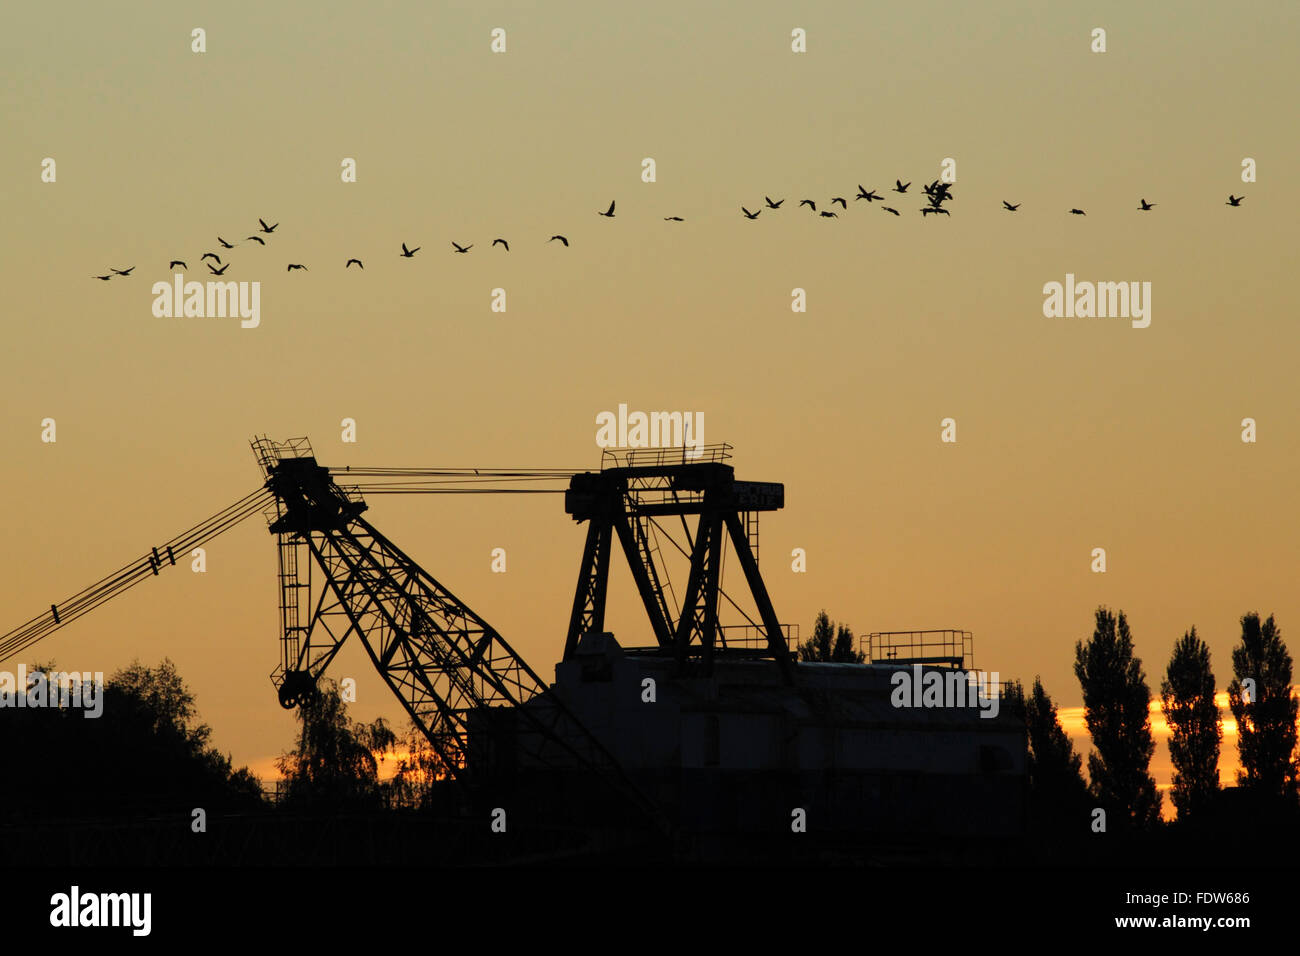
1116 703
830 643
1195 730
1266 720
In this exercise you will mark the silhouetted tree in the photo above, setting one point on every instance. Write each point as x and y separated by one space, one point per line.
1058 795
844 652
162 701
818 647
146 754
336 762
174 753
1266 723
1195 730
1013 698
1116 703
829 643
419 772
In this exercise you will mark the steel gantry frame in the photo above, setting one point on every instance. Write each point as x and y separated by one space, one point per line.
480 705
626 498
476 700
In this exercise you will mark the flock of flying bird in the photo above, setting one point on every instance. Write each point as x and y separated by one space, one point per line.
269 228
936 193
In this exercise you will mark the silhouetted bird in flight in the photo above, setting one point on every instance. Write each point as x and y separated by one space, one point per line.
122 272
829 215
773 205
1234 200
608 213
939 209
938 193
890 209
900 186
1146 205
748 214
258 239
867 194
105 278
409 252
1077 212
561 238
294 265
265 227
841 200
809 203
211 255
217 272
224 244
1010 208
177 262
673 219
501 242
350 261
463 248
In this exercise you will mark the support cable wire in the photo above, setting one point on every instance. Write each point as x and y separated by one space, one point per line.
542 474
132 574
150 564
414 481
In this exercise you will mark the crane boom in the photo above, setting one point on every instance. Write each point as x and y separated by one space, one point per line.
474 698
480 705
107 588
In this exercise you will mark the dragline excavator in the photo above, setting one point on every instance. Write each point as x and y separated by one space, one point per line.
482 708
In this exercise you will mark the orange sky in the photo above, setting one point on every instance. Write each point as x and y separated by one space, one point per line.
1072 721
1072 433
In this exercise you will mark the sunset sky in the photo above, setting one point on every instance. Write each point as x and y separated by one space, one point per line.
1072 434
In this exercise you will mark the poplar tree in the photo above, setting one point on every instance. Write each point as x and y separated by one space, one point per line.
830 643
1116 702
1058 795
1195 730
1266 719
